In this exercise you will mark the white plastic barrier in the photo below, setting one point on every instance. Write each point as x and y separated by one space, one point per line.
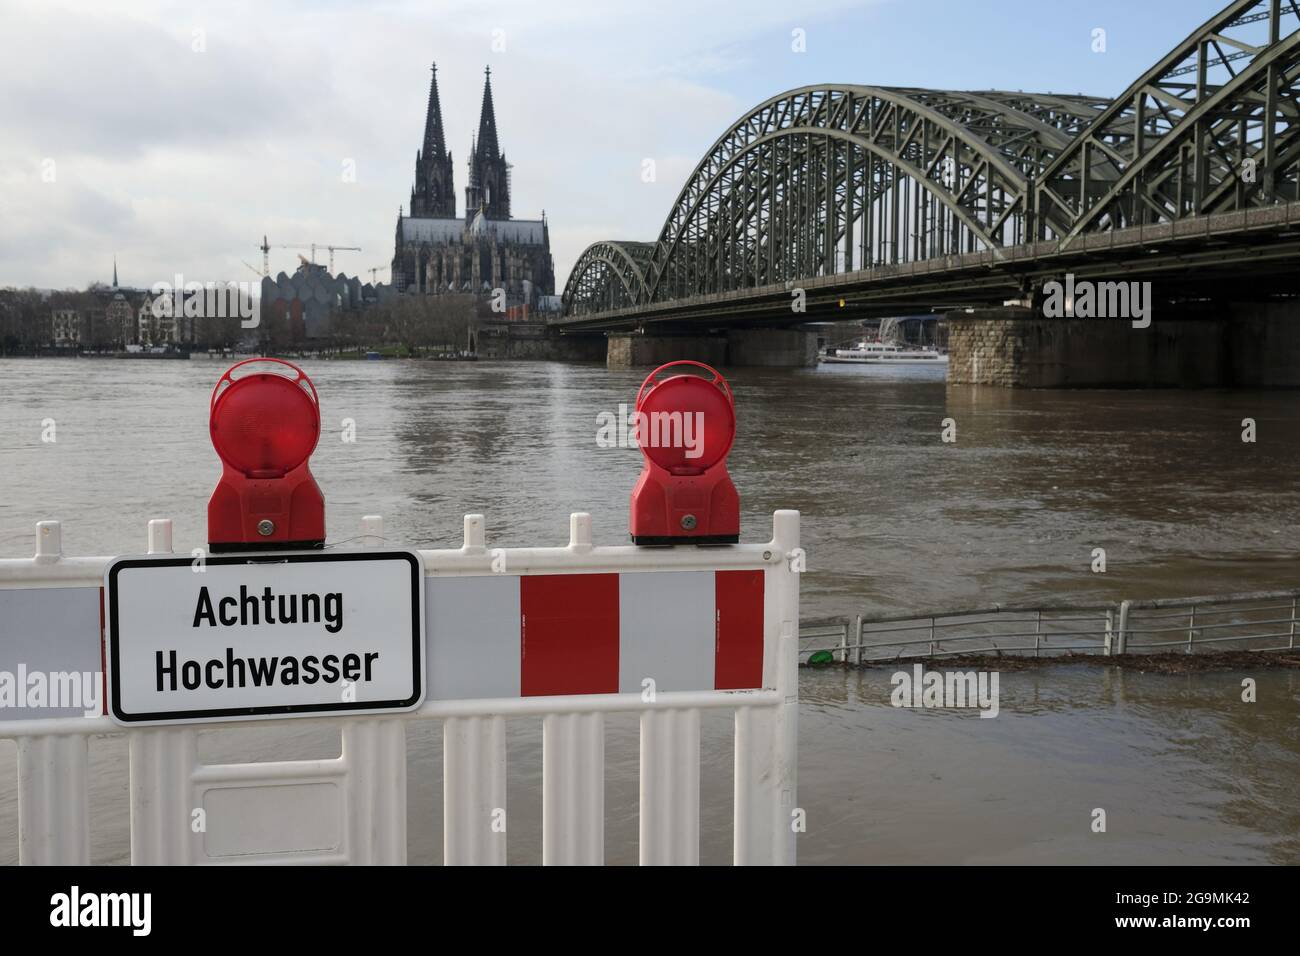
563 634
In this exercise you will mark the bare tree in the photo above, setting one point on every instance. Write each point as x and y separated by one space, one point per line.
416 321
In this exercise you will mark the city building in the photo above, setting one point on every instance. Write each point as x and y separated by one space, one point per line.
66 328
438 253
305 303
110 315
118 317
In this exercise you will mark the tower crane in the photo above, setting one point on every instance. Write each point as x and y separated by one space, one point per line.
266 248
375 269
332 250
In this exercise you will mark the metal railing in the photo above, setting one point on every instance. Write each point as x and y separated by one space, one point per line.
1254 621
1262 620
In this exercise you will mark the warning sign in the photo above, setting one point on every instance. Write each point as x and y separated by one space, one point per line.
238 637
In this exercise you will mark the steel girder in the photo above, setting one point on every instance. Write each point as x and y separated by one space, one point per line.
1030 129
1177 141
1067 114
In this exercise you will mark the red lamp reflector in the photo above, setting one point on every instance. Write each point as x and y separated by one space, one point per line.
695 416
685 427
266 426
265 423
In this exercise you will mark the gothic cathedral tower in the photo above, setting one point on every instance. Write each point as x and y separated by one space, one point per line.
434 194
489 180
485 251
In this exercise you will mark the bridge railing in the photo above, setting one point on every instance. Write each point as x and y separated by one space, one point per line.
1255 621
682 644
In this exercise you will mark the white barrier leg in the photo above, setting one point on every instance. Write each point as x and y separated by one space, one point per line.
756 797
670 788
786 767
766 776
53 802
764 782
474 791
573 789
162 764
374 755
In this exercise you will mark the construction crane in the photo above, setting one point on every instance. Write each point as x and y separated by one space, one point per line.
372 271
252 268
266 248
332 250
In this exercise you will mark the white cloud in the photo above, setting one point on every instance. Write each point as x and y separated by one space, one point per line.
178 160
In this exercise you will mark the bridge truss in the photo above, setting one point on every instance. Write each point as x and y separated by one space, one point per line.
828 180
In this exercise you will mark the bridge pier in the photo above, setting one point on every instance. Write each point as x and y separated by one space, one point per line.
736 348
1201 345
771 348
630 350
536 341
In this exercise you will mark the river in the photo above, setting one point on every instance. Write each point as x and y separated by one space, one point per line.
894 519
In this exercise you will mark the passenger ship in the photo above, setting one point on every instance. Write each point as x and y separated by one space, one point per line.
878 353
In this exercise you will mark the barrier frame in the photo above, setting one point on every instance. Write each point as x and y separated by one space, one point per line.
352 809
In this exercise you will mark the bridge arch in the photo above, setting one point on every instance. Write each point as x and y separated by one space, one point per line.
1176 142
825 179
608 275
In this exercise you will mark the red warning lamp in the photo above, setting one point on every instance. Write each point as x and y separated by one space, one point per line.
685 426
265 423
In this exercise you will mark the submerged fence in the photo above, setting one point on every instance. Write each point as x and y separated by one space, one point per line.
1254 621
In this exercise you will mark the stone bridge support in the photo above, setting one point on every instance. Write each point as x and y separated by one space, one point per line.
1238 344
735 348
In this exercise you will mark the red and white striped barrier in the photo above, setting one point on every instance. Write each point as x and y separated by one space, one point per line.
564 634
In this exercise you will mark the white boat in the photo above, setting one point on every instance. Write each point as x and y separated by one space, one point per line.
878 353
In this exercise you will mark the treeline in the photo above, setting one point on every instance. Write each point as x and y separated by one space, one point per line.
26 318
418 322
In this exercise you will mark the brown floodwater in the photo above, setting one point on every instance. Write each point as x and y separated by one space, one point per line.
894 519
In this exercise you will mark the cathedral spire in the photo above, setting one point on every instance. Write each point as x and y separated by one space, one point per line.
435 146
115 272
488 149
434 195
489 174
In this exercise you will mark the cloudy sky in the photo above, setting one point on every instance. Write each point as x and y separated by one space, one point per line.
175 135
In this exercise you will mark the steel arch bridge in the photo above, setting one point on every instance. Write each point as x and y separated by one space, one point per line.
840 180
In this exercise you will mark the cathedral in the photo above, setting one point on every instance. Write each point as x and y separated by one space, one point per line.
436 252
